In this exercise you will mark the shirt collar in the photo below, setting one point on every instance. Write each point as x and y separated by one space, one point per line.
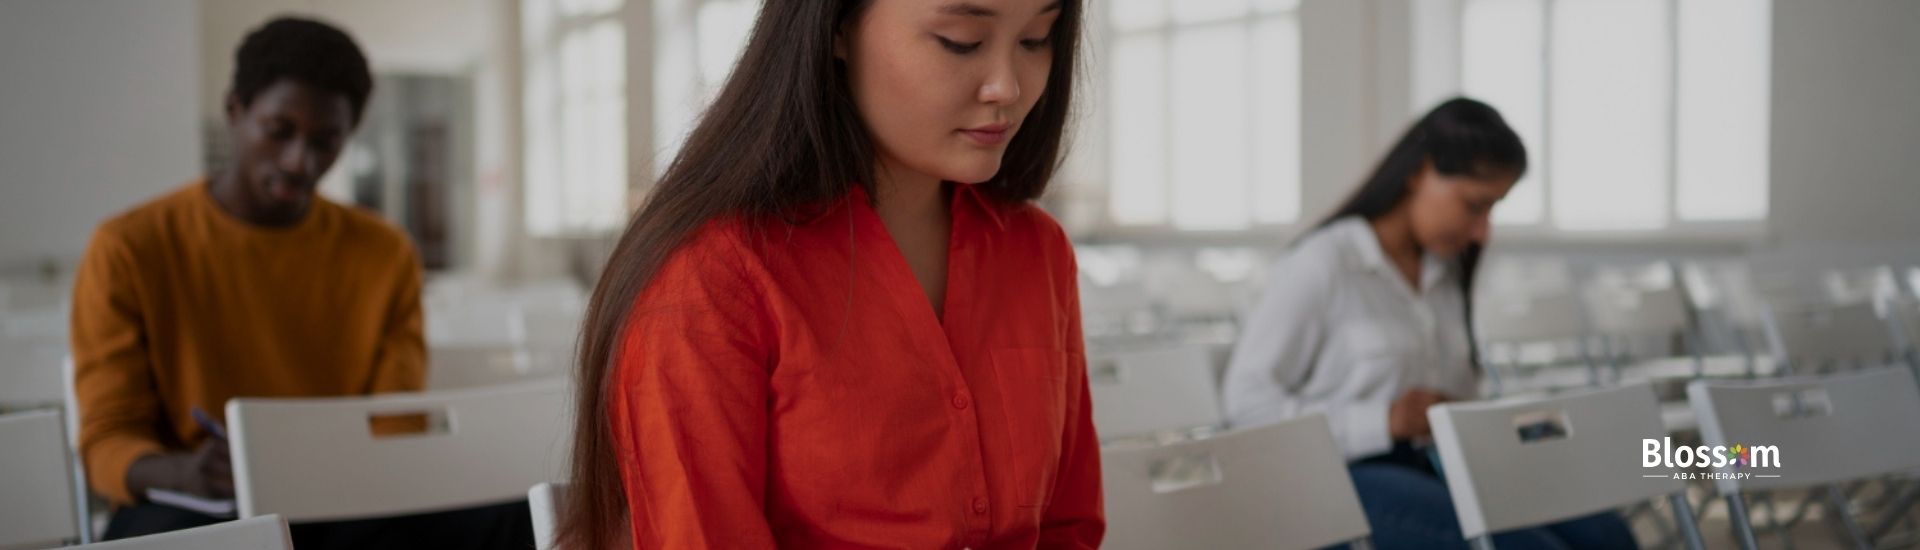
1366 245
988 207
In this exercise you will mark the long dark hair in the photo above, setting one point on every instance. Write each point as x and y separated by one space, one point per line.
1461 137
782 136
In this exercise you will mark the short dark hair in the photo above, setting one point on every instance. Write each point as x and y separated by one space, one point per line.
304 50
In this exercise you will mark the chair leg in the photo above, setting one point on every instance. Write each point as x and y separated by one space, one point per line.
1494 378
1482 542
1707 499
1693 339
1667 530
1837 502
77 478
1683 517
1742 523
1746 354
1362 543
1894 513
1774 525
1593 367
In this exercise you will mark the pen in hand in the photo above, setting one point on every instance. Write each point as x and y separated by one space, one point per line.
208 423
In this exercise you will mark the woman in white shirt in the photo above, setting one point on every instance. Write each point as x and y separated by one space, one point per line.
1366 320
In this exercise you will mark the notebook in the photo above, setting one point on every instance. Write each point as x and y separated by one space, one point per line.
223 508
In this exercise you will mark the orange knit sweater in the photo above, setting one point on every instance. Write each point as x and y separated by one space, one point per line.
179 305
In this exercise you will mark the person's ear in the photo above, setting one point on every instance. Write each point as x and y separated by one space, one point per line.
234 109
1417 181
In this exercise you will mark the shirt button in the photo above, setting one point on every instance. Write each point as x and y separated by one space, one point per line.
960 402
980 505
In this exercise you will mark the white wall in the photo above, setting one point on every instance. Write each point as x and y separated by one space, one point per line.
412 36
1339 100
98 113
1846 123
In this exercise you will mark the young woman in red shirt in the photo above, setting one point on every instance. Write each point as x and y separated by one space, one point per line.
838 320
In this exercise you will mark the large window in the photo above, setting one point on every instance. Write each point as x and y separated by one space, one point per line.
1639 114
575 113
697 43
1203 113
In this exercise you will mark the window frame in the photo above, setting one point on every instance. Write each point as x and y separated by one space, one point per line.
1676 231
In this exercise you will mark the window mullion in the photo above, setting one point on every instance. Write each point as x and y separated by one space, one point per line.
1547 220
1673 113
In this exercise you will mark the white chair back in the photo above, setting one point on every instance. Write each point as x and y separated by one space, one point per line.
463 367
1497 456
1628 312
1277 486
1910 318
1826 428
36 500
30 371
548 327
1192 294
47 324
31 295
1142 392
1527 277
1877 284
317 460
1544 318
477 321
1815 337
267 532
1117 308
546 502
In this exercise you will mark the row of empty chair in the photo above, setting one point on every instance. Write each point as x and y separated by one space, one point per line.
1175 475
479 336
1277 486
1156 390
1176 478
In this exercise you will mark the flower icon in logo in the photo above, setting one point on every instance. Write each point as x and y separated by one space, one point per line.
1739 455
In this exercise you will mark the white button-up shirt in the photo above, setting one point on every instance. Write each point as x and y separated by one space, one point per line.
1339 331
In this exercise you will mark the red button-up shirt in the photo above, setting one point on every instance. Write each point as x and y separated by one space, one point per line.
791 386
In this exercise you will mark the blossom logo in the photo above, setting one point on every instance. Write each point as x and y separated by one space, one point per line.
1727 462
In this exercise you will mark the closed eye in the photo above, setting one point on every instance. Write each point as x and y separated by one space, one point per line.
958 47
1037 43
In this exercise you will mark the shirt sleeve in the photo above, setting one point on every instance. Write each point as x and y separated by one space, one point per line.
1075 518
692 397
1277 353
400 365
119 407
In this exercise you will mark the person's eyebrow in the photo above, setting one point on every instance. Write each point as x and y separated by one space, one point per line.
965 9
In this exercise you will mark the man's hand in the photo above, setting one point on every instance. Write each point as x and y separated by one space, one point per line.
205 472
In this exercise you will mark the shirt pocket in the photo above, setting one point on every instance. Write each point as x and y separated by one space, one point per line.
1033 399
1368 339
1377 355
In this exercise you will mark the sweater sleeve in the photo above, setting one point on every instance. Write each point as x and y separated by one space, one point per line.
119 407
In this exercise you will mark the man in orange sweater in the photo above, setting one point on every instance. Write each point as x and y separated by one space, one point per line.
244 283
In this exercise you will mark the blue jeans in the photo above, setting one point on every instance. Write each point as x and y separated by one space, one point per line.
1408 506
